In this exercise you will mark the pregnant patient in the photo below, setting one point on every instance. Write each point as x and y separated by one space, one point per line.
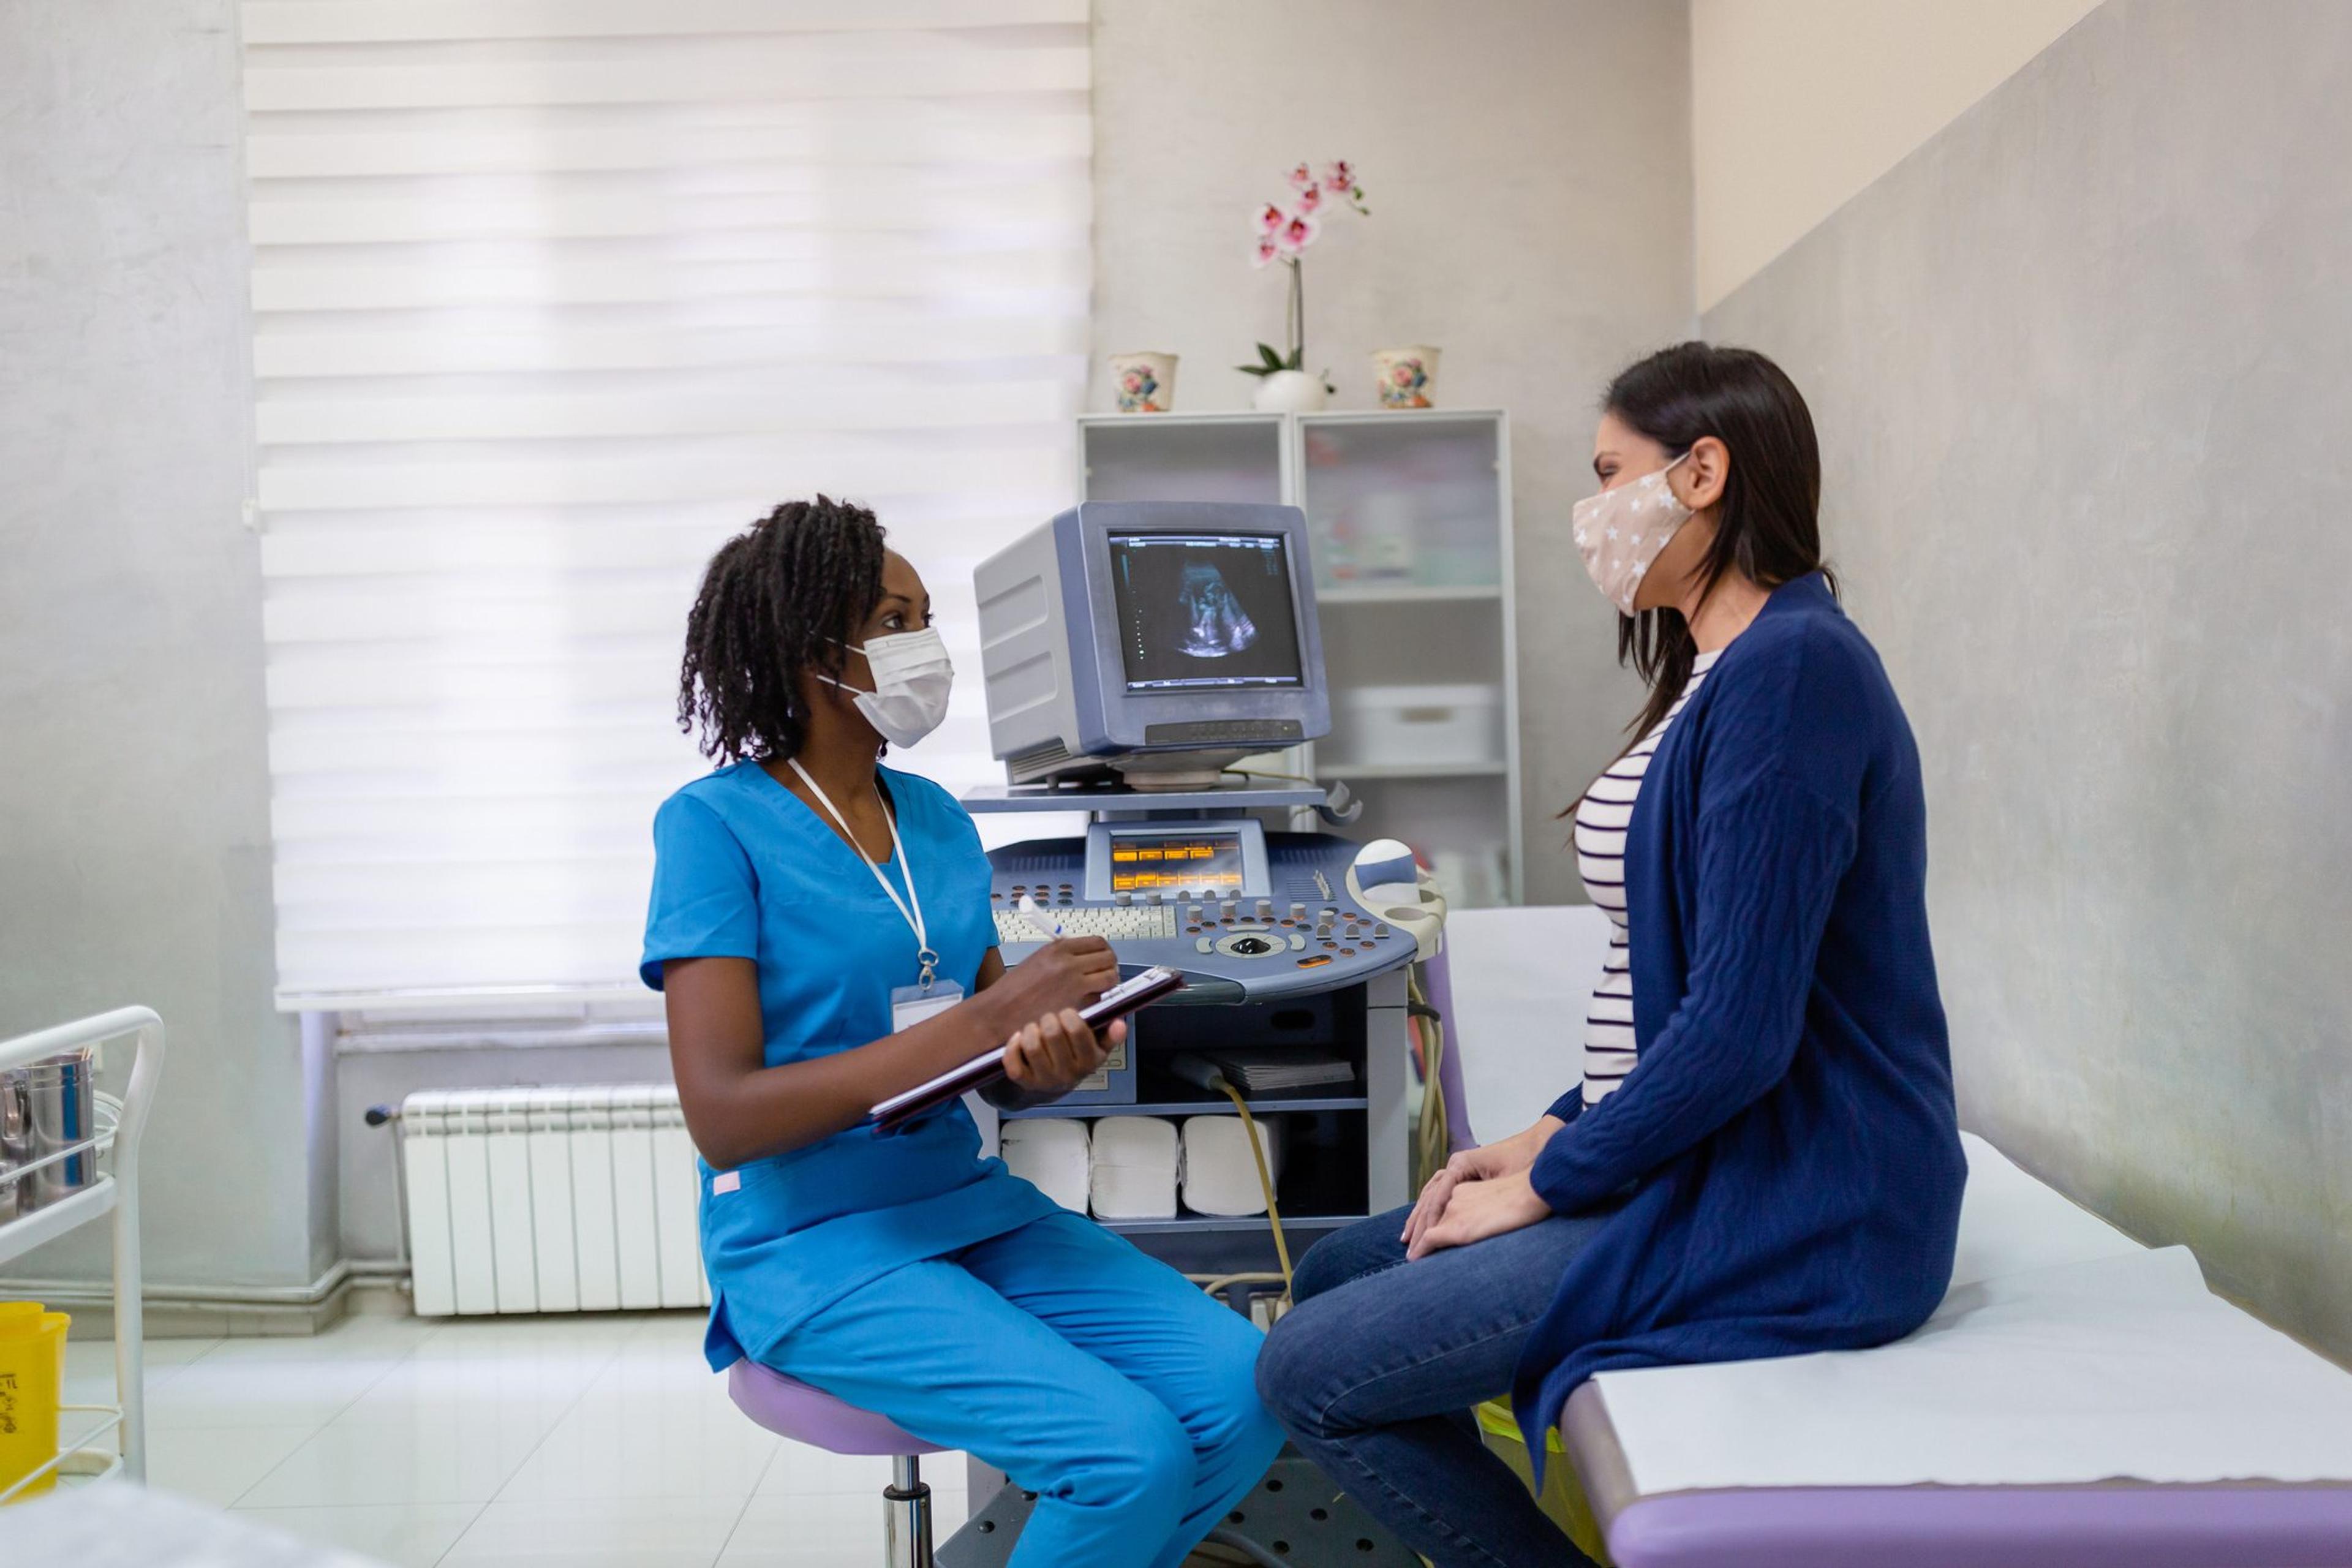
1762 1158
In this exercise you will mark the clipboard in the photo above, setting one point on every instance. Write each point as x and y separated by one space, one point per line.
1129 995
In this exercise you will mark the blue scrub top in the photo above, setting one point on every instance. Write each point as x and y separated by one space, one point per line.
745 868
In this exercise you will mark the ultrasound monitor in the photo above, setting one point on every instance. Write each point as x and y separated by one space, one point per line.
1204 610
1158 640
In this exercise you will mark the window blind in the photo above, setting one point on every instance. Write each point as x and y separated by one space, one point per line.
552 296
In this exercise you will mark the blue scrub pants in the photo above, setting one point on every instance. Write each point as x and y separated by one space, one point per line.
1097 1378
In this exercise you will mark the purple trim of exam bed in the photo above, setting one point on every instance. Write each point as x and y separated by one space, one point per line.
2118 1526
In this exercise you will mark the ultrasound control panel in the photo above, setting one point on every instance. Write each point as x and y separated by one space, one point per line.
1246 914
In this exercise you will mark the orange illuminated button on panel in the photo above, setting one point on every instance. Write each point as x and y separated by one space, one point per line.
1317 961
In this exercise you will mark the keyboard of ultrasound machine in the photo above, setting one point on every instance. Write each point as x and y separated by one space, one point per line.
1133 923
1303 935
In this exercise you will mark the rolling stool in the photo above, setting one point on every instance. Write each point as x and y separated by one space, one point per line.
792 1409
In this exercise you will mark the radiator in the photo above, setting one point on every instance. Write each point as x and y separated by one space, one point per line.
549 1200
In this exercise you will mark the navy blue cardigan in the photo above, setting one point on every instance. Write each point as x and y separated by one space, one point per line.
1785 1149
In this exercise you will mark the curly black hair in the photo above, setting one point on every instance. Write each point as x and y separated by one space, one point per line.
779 598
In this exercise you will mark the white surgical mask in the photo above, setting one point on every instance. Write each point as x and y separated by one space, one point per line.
912 679
1620 532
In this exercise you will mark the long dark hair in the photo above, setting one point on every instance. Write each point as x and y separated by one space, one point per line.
779 598
1769 518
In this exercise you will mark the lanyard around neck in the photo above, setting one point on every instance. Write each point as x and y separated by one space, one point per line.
912 905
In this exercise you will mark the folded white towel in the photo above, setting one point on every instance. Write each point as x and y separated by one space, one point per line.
1221 1172
1050 1153
1135 1167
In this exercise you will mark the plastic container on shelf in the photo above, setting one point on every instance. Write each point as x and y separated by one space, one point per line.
32 1380
1385 726
1382 541
1561 1497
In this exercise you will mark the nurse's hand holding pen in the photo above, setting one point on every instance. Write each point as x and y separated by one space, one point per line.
1068 971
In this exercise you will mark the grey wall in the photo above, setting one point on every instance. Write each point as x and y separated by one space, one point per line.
1527 165
134 828
2083 368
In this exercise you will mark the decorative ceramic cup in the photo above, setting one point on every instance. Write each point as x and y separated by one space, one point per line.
1408 377
1143 383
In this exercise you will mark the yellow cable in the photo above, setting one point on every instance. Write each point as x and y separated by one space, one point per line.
1264 1182
1432 1144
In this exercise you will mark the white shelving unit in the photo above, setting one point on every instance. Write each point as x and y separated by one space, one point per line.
115 1192
1408 516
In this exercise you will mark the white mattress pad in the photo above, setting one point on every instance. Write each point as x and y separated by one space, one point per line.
2064 1353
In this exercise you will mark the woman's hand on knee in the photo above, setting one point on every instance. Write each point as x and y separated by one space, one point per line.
1470 1165
1059 1052
1431 1205
1479 1209
1489 1162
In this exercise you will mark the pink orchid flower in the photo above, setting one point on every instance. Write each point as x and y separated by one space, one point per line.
1302 176
1270 218
1297 234
1267 250
1310 199
1340 176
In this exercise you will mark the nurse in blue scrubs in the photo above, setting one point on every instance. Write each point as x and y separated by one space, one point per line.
821 928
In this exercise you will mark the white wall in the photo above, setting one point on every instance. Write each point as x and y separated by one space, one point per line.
1796 105
2083 369
1527 165
134 825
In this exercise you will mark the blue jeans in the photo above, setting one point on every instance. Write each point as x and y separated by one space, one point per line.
1373 1374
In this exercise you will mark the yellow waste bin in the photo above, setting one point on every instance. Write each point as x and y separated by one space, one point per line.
1561 1497
32 1380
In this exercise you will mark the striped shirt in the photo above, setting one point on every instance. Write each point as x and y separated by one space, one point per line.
1601 817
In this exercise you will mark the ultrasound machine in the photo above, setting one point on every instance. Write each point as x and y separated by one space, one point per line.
1134 653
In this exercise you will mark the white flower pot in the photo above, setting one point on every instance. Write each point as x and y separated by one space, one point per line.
1288 392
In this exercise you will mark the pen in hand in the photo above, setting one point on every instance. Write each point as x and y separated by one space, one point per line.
1039 920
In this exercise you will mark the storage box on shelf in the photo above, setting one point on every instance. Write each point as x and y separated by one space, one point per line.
1410 521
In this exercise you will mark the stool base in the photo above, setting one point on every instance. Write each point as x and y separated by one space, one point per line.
907 1520
1294 1515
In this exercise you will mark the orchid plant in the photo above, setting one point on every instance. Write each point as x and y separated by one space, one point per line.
1283 232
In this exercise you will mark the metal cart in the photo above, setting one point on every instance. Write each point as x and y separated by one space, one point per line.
114 1191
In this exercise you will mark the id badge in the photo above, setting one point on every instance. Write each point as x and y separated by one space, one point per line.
910 1004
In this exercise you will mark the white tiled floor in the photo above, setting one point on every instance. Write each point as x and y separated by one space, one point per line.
591 1441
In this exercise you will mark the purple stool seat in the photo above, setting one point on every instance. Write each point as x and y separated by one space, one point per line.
792 1409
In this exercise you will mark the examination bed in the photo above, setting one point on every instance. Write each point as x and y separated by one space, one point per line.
2078 1401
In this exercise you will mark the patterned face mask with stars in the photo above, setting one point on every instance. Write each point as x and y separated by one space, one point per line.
1620 531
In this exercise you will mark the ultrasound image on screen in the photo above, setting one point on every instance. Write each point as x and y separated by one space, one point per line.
1204 609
